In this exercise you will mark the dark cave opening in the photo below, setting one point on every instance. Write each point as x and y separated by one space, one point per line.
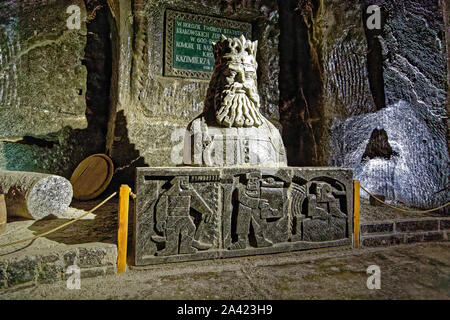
98 62
374 55
378 146
301 106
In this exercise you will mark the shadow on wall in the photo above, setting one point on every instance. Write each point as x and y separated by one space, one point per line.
375 56
101 228
124 154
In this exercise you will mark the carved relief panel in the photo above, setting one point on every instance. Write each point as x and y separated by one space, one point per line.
186 214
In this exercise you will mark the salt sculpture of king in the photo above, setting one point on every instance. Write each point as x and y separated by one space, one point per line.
231 131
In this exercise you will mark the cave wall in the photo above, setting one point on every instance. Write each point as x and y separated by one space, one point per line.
446 7
39 94
414 70
373 100
54 84
324 75
301 101
381 103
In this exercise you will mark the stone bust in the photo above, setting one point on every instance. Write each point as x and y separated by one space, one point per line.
231 131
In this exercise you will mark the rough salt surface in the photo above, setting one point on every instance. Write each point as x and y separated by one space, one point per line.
51 195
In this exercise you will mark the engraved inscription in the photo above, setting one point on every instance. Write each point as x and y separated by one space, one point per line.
189 39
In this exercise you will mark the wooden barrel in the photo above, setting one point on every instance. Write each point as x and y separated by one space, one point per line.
92 177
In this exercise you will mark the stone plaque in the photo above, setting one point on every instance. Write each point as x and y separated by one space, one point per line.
184 214
189 39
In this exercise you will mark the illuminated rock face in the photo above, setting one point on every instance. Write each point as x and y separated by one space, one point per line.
42 77
231 131
350 82
413 67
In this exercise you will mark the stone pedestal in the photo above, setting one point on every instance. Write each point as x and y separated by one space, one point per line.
185 214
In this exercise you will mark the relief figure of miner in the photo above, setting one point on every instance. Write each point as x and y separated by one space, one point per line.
251 212
174 221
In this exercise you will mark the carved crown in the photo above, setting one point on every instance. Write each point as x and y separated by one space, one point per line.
235 48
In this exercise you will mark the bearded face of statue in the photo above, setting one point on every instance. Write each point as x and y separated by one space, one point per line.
240 100
236 100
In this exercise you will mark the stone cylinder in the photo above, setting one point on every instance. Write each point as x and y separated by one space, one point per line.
35 195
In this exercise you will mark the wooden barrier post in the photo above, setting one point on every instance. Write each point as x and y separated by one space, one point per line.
3 215
124 201
356 189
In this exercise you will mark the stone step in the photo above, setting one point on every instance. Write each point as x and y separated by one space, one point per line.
404 231
50 265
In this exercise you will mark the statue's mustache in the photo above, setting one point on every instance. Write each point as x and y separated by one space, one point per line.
239 108
238 87
242 88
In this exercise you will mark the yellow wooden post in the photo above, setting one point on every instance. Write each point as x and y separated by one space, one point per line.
124 200
356 188
3 215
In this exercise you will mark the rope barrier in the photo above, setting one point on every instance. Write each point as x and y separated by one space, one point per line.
61 226
129 193
405 210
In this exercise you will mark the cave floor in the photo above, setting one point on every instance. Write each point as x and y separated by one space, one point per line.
96 229
92 240
418 271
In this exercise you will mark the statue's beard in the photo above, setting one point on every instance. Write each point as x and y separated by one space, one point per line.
239 108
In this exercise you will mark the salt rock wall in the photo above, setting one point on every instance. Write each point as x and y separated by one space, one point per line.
42 79
409 56
372 100
151 110
324 75
447 36
54 87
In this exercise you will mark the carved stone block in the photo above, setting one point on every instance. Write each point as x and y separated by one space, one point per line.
189 213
